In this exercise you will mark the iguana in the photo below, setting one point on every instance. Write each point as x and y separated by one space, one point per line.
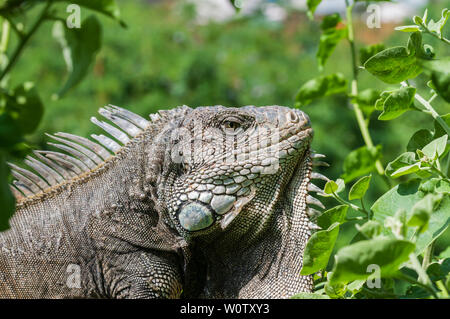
207 202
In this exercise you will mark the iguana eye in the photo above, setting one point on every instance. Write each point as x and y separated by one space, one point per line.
231 125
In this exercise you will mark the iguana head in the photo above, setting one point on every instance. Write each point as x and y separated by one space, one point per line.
220 159
235 183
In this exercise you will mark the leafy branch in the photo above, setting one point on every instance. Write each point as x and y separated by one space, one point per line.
24 40
362 123
405 222
21 107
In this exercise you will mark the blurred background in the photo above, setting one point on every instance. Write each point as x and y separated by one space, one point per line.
202 52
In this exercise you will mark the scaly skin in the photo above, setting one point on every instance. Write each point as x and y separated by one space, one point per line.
209 201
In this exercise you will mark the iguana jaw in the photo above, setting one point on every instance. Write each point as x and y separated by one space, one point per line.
237 207
262 260
281 279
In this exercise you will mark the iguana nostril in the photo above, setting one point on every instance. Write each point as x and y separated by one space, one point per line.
293 117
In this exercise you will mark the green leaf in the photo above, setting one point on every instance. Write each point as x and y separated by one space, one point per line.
321 86
408 28
435 185
439 25
331 36
360 162
438 130
421 211
417 20
10 133
416 48
318 249
7 200
445 253
106 7
379 103
306 295
428 52
330 22
355 286
367 52
417 292
360 188
393 65
397 102
370 229
397 223
335 291
236 4
80 47
312 5
352 261
333 215
330 187
404 196
406 163
419 140
414 44
405 170
435 148
333 187
425 16
439 70
438 271
25 107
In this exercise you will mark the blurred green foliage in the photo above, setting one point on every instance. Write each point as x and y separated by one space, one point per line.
164 59
21 107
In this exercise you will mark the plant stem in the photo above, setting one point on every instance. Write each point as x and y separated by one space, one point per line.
355 207
430 110
446 41
423 276
437 171
442 287
428 254
24 40
5 37
363 127
447 165
4 46
14 26
320 285
432 98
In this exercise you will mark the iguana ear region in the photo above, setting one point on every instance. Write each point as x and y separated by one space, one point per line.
195 216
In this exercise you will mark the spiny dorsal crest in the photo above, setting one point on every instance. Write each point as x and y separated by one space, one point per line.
312 212
79 155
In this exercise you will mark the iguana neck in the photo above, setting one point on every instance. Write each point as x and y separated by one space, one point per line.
266 265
